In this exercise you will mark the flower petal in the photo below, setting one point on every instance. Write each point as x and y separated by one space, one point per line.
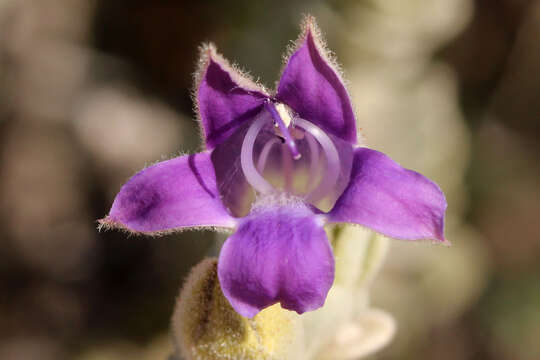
278 254
389 199
312 87
225 97
169 195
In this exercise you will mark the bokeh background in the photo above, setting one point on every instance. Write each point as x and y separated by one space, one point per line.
91 91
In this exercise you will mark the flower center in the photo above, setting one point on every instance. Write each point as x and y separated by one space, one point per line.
300 159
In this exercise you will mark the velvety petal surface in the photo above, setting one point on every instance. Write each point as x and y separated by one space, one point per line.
225 98
172 194
280 253
312 87
391 200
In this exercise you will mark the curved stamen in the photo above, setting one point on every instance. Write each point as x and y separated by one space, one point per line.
287 164
261 163
270 107
333 166
246 158
313 159
313 135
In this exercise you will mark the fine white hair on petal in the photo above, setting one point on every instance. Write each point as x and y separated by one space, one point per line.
277 199
208 52
309 26
108 224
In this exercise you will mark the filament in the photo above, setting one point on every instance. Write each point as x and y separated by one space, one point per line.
246 158
263 157
287 164
313 136
333 166
313 159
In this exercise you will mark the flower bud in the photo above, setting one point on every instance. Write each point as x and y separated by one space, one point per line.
205 326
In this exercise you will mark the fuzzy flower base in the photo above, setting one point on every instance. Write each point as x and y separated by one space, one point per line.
205 326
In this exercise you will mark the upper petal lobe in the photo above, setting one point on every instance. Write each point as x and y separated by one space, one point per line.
387 198
172 194
312 87
225 98
278 254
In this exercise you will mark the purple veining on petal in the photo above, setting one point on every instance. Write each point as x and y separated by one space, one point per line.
389 199
278 254
198 176
223 103
312 88
172 194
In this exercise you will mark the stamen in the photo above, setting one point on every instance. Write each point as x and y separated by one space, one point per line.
261 163
246 158
270 107
333 166
314 136
287 164
313 159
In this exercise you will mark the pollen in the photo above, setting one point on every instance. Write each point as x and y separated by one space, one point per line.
284 113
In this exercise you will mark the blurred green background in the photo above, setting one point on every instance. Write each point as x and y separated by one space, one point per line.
91 91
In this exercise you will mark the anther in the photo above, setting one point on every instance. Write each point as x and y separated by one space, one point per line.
271 108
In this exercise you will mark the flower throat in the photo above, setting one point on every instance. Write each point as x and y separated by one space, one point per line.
300 160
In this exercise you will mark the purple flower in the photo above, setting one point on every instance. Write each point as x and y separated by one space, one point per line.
276 169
